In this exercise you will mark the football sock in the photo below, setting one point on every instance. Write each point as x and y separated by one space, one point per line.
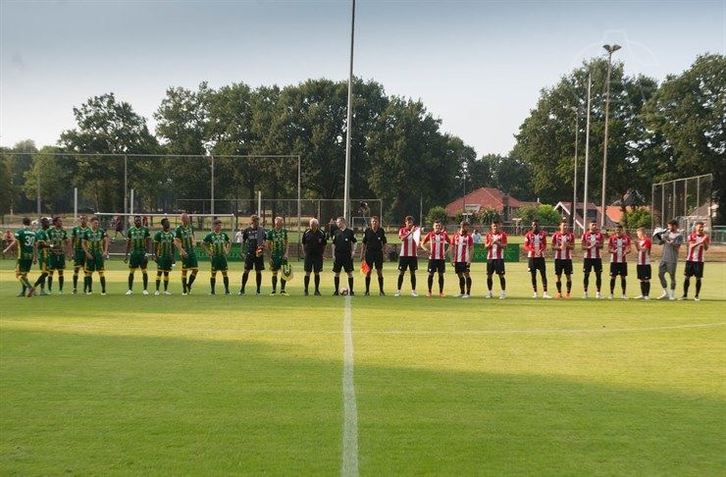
282 284
544 281
317 282
534 280
686 286
212 282
380 282
166 281
698 286
430 281
468 285
50 282
558 284
258 280
462 283
503 282
61 279
245 276
41 280
569 285
225 280
400 281
612 285
413 281
306 281
145 278
336 282
158 280
350 285
598 281
368 283
131 280
192 277
87 283
441 283
622 284
490 282
274 283
103 282
586 281
647 288
184 281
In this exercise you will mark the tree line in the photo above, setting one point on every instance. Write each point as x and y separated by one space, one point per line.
399 152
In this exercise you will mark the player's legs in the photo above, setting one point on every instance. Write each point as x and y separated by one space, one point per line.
225 281
490 282
145 275
350 282
184 280
212 281
166 280
243 280
467 275
568 283
462 283
543 276
274 281
158 279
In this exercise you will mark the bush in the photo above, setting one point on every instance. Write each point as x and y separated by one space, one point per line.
637 217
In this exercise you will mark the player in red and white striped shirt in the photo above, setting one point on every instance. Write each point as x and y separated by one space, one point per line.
436 243
495 242
592 243
408 258
563 241
619 247
535 243
643 246
698 243
462 245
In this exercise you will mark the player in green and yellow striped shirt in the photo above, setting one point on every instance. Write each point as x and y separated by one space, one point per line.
218 245
137 243
42 246
95 245
163 255
58 241
277 243
184 241
79 255
24 241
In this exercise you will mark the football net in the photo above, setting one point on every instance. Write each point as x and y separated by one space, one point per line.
687 200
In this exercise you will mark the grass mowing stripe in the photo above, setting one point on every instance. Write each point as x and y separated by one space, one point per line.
350 409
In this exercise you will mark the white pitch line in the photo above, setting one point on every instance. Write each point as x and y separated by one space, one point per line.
350 408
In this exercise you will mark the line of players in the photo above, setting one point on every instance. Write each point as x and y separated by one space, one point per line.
88 245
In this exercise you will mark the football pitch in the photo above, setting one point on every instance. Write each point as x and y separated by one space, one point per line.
202 385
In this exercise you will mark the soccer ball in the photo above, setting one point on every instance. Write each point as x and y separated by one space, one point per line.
344 291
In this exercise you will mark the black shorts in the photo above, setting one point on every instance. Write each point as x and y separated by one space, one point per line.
408 262
495 265
644 272
253 261
618 269
374 259
344 262
461 267
563 265
694 269
437 266
313 263
536 263
592 263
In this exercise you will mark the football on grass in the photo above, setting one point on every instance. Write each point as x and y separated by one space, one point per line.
344 291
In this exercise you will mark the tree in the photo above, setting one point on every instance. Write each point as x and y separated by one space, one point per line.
56 173
6 185
19 159
546 138
688 112
510 175
547 215
637 217
107 126
434 214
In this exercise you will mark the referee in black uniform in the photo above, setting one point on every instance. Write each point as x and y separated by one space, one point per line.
314 242
374 244
343 250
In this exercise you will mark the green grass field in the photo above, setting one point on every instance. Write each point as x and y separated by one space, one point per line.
202 385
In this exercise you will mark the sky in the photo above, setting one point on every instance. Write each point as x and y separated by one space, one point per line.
478 66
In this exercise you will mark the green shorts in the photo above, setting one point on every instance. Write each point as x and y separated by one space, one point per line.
163 264
95 263
79 258
57 262
190 261
138 259
24 265
276 262
219 263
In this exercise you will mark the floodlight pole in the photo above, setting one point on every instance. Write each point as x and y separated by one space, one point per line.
211 207
587 151
574 182
349 122
37 179
610 49
126 183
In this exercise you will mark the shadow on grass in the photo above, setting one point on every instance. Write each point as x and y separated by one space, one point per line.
120 405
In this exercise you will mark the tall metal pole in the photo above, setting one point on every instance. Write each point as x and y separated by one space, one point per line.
349 123
211 207
587 150
574 182
610 50
126 183
37 179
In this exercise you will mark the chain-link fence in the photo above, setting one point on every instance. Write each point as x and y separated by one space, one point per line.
687 200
